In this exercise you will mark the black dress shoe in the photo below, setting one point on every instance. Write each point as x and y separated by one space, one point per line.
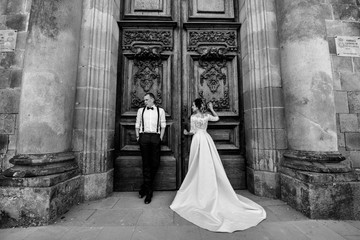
142 193
147 199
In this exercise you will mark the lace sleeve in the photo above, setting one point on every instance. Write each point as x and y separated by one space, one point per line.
213 118
192 125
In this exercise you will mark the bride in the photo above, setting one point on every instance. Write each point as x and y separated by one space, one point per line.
206 197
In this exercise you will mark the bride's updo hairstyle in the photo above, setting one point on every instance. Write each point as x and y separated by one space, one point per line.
200 104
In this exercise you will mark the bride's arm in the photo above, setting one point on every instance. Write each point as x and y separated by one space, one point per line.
214 117
192 127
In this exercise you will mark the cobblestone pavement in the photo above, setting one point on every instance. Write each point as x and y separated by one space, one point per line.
124 216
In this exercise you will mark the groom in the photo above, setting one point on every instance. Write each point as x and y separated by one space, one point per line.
150 128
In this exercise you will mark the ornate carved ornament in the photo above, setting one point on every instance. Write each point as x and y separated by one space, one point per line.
159 37
222 103
213 60
227 38
148 61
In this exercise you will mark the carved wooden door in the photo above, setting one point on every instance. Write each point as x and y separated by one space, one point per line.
179 51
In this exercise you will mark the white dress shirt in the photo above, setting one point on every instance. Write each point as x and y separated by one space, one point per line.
150 120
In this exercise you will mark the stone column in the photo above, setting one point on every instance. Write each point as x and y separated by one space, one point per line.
315 179
262 91
44 181
48 91
94 126
307 84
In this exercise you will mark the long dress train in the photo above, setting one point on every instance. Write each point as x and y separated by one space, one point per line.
206 197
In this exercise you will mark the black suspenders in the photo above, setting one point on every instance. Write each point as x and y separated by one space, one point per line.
157 126
158 120
142 119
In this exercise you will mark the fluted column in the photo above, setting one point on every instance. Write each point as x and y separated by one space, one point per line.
308 85
48 90
94 127
262 91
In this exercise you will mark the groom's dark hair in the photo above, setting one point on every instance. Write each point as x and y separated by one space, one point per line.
150 94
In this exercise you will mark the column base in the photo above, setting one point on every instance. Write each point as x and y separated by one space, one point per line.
39 200
33 165
322 162
322 195
262 183
98 185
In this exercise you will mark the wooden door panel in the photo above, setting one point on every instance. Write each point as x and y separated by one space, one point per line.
211 73
211 10
147 9
128 175
216 81
225 135
147 63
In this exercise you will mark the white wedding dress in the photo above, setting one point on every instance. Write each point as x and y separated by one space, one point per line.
206 197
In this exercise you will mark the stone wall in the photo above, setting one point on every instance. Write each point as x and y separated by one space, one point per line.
14 15
344 20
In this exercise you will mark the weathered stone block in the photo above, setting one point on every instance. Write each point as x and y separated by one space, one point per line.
22 205
21 40
116 12
337 27
336 81
332 46
15 78
9 100
17 22
351 2
344 152
346 12
242 15
349 123
352 141
265 184
98 185
350 81
356 64
343 64
246 80
3 4
12 142
341 139
341 102
247 101
355 158
15 7
322 195
78 140
246 69
2 22
4 142
4 78
354 101
7 59
7 123
5 160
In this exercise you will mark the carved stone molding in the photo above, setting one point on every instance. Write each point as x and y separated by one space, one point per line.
148 62
213 60
159 37
227 38
34 165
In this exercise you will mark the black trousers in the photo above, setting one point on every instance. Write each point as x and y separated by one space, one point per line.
150 145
